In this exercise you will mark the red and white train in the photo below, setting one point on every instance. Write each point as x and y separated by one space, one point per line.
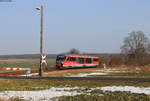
72 61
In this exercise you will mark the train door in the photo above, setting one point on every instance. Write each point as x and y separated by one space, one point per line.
80 61
88 62
96 61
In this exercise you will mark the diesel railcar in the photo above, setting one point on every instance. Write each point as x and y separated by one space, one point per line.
73 61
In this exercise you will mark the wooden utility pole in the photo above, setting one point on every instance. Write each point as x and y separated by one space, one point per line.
41 43
41 40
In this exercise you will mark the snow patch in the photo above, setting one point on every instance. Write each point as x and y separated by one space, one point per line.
88 74
42 95
132 89
47 95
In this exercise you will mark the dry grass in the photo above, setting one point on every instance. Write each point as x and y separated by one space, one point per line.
146 68
2 99
68 72
24 63
12 99
98 95
118 72
4 81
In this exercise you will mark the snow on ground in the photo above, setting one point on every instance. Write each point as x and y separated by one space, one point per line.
46 95
43 95
132 89
88 74
78 75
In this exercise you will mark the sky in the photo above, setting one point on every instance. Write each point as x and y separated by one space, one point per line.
91 26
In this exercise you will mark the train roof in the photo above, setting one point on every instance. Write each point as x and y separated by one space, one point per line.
70 55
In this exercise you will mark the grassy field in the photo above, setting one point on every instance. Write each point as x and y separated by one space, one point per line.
105 96
34 85
13 99
110 73
127 75
98 95
25 63
68 72
9 84
95 95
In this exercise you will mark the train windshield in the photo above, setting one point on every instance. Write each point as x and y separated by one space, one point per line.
61 58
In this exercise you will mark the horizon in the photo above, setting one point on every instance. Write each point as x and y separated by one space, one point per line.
54 54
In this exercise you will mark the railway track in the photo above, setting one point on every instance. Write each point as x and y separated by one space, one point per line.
14 75
79 78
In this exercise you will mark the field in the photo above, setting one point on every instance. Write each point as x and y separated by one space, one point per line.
84 90
71 90
25 63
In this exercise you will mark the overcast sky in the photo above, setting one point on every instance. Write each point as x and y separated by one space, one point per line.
93 26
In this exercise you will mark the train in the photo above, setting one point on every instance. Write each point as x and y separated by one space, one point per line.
74 61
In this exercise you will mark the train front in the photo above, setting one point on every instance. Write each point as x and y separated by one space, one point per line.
60 61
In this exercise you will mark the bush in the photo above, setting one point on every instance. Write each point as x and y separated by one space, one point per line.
116 59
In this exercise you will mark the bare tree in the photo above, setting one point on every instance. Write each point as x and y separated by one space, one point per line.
148 49
136 47
74 51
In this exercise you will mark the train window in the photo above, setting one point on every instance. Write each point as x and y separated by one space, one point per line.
95 59
80 60
71 59
88 60
61 58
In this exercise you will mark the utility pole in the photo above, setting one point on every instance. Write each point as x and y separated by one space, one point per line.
41 40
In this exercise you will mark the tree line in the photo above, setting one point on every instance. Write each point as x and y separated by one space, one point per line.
134 51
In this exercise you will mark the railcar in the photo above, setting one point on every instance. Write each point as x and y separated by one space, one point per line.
74 61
